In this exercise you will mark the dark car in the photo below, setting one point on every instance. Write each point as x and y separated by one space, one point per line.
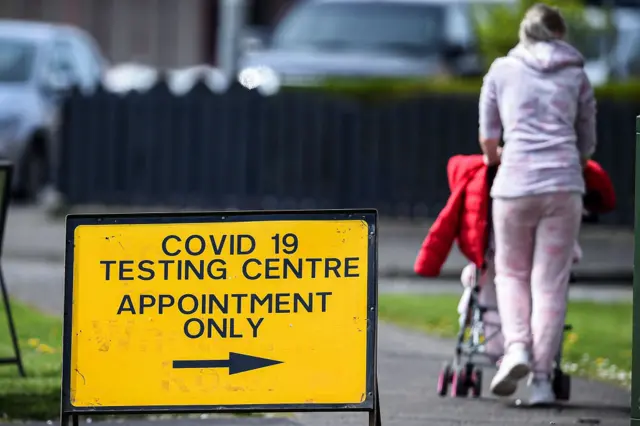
372 38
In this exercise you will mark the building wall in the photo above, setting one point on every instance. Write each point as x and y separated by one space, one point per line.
164 33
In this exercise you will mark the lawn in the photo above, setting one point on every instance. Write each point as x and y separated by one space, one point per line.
598 347
37 396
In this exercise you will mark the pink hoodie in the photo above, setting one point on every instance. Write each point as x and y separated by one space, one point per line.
541 99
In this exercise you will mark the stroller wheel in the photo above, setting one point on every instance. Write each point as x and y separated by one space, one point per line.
561 385
444 378
476 383
459 388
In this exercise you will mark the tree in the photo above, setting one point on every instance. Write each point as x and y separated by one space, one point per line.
497 27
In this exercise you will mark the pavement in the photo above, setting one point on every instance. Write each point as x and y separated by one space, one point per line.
408 364
608 252
408 361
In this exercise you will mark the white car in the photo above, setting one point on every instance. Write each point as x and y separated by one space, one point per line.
39 63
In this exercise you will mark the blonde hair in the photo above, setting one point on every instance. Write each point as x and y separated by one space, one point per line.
542 23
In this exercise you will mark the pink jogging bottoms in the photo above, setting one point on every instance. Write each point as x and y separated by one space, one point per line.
534 239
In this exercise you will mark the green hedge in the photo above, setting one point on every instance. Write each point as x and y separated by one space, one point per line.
380 89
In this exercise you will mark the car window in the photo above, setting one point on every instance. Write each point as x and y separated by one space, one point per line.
407 28
626 54
88 60
76 60
63 63
459 25
17 59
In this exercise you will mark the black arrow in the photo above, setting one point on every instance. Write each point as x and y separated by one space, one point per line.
237 363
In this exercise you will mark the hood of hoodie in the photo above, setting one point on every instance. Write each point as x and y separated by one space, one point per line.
548 56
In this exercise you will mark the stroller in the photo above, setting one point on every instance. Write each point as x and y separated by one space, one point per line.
463 376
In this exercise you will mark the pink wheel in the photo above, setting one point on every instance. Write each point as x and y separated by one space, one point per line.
444 378
476 383
458 384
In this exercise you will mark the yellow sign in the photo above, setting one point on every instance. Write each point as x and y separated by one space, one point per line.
225 310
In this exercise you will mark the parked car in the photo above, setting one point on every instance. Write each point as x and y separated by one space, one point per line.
611 48
39 63
371 38
622 57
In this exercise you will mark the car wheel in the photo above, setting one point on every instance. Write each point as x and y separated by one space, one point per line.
33 175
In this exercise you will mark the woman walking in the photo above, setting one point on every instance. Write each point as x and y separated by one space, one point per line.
540 99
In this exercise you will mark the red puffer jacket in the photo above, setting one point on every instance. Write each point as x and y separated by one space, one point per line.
465 216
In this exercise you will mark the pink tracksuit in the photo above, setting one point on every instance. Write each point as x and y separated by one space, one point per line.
494 343
539 99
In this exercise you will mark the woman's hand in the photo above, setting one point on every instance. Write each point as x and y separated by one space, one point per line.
491 150
583 162
490 161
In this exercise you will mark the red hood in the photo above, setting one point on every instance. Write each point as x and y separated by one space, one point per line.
460 167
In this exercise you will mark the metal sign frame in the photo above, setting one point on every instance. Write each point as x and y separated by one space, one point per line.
6 169
635 370
371 402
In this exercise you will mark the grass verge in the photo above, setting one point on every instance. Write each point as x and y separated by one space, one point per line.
598 347
36 397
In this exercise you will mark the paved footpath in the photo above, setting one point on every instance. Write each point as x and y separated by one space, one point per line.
408 366
408 361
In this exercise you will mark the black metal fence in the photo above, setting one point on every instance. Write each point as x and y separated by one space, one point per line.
293 150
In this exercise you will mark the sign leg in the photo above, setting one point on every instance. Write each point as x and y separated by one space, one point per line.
635 348
375 419
378 414
12 327
75 419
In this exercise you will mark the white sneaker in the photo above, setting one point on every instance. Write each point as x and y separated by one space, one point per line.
541 392
513 367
